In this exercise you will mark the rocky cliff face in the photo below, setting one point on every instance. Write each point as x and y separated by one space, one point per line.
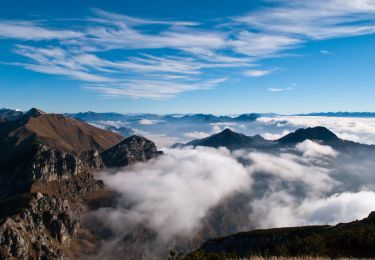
43 164
36 226
132 149
47 181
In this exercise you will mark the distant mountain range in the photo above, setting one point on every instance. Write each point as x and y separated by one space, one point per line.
9 114
92 116
233 140
341 114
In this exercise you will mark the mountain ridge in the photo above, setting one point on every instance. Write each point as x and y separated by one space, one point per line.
353 239
111 116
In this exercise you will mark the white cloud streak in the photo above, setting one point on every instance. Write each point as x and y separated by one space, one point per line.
145 121
152 89
257 73
24 30
313 149
279 89
337 208
196 135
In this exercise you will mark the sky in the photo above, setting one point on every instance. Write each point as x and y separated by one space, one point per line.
164 56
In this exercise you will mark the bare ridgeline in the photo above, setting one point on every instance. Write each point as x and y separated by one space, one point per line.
49 189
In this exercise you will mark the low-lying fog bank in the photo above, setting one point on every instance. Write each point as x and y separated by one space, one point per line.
189 195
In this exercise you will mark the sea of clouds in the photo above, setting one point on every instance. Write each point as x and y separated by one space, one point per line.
174 194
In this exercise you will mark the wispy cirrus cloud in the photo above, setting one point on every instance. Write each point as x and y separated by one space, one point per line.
164 58
114 18
153 89
58 61
74 64
321 19
262 45
26 30
78 55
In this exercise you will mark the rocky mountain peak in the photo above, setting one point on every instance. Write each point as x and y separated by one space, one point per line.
318 133
231 140
34 112
227 131
132 149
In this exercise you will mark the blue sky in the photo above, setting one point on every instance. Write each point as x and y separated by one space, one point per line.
222 57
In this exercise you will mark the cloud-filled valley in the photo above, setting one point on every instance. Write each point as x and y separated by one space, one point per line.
143 200
180 195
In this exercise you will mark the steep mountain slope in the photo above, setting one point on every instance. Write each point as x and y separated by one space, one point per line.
231 140
354 239
56 131
47 182
40 145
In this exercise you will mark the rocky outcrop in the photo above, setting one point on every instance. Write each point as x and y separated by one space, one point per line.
131 150
37 227
51 165
43 164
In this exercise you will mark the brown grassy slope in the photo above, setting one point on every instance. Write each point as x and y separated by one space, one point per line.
54 131
70 134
